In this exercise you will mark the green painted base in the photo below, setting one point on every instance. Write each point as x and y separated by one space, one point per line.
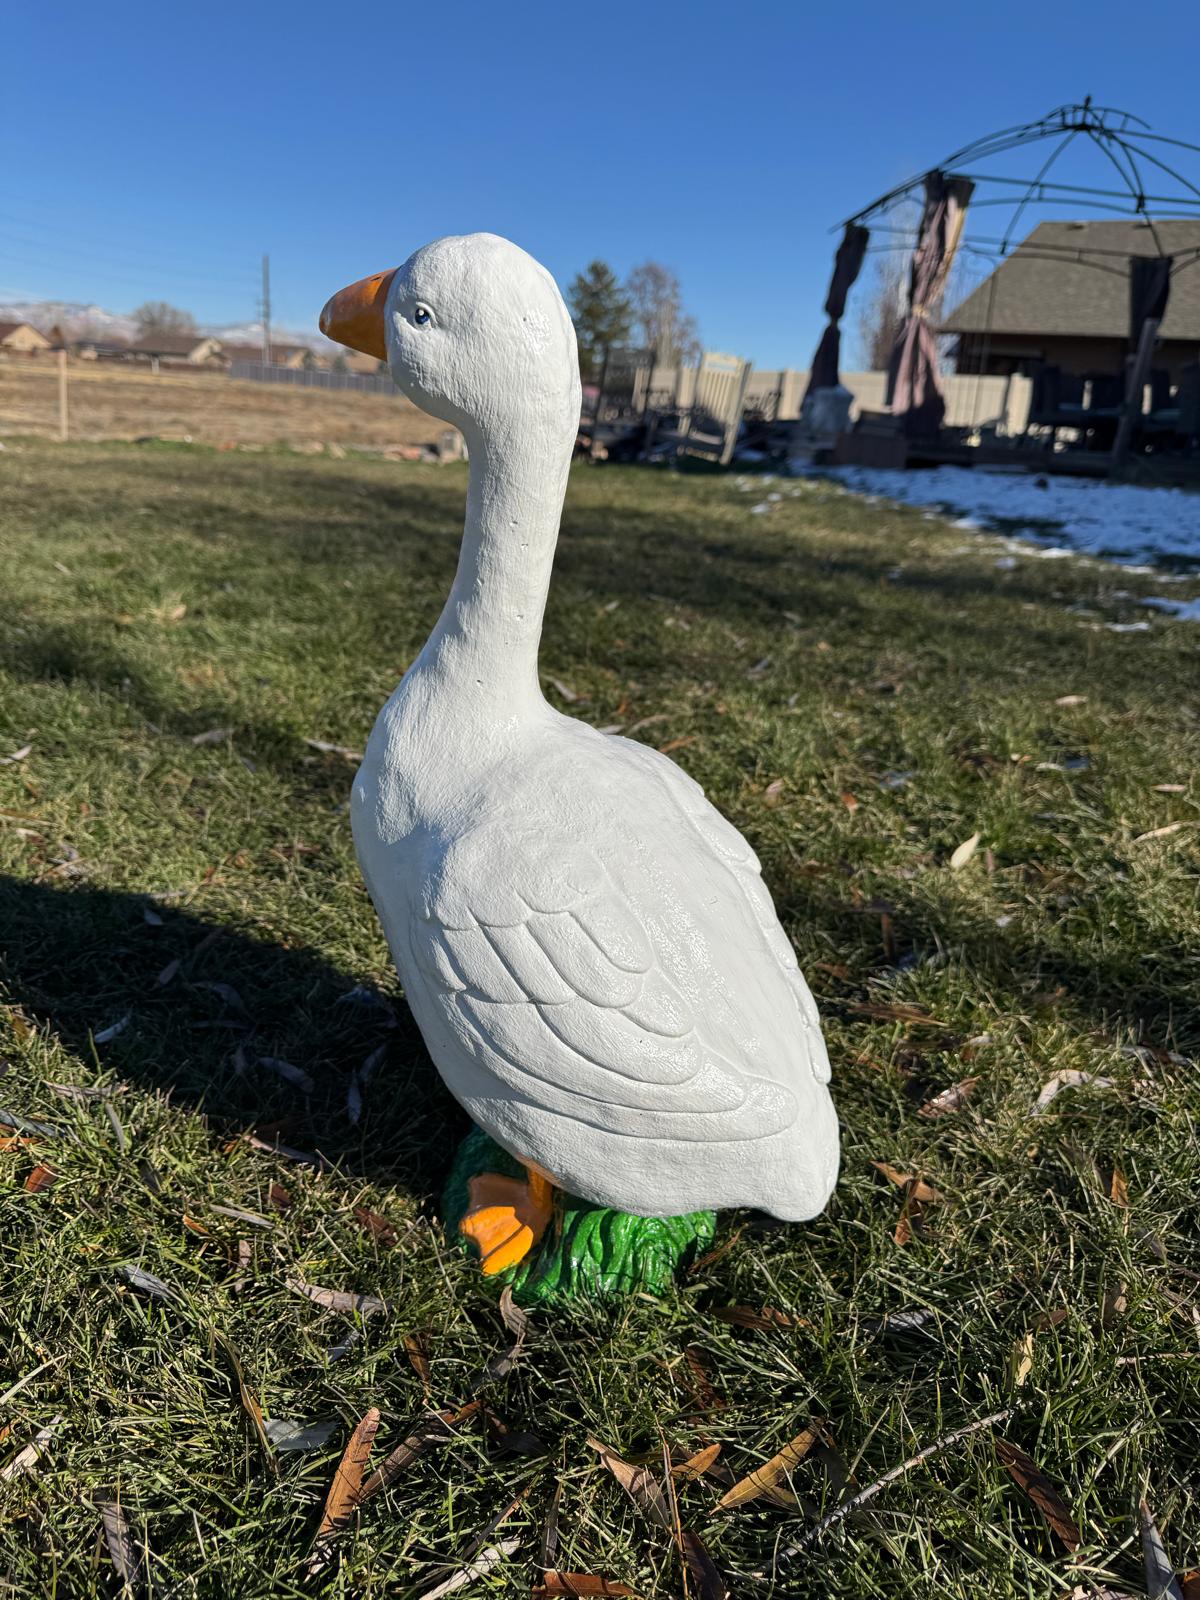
588 1250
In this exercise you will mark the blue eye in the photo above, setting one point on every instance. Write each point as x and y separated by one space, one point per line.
421 316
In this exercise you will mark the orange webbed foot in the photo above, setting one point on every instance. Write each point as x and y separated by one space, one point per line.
506 1217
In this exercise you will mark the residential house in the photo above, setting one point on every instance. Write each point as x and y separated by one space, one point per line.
178 349
1063 297
22 339
296 357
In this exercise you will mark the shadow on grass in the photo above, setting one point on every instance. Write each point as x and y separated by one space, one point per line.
197 1005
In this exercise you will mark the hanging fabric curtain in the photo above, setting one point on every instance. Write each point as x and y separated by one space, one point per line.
846 267
1149 291
914 389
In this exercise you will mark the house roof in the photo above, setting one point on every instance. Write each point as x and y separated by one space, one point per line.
1073 278
170 344
11 327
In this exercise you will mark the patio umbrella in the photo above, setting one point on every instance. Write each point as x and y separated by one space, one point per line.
914 389
846 267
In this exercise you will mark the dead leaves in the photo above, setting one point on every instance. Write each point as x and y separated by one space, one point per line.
639 1484
949 1100
917 1195
42 1177
1041 1490
380 1229
762 1317
346 1489
249 1401
337 1299
766 1477
963 853
517 1323
583 1585
1068 1078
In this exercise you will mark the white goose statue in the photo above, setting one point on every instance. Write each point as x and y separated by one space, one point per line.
586 943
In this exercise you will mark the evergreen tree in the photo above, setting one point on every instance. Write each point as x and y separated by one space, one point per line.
601 313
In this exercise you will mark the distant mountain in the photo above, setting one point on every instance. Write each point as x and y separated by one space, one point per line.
75 318
72 316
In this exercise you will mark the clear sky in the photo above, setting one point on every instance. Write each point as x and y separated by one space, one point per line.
155 151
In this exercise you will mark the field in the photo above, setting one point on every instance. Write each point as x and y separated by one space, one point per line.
977 807
108 401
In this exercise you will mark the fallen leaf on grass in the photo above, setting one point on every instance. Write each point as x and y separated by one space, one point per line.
564 690
279 1196
767 1476
1161 1583
718 1253
749 1317
27 1459
849 801
286 1434
517 1323
119 1540
696 1466
964 852
290 1073
1114 1304
114 1028
917 1188
639 1484
346 1489
246 1395
169 972
337 1299
378 1227
1118 1189
581 1584
212 736
478 1568
710 1585
895 1013
1071 700
42 1177
1161 833
706 1395
772 792
147 1282
17 755
1169 788
414 1348
1045 1495
1022 1360
951 1099
676 744
1068 1078
328 749
434 1428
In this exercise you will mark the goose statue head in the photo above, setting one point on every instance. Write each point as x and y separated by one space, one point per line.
475 332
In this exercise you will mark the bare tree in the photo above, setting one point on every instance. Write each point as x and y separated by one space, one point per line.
881 314
157 317
662 324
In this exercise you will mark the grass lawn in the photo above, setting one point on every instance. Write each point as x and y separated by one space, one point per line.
180 913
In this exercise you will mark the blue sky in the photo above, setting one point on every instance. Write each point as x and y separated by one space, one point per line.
157 151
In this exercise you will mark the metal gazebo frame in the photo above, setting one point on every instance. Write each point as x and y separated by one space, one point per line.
959 184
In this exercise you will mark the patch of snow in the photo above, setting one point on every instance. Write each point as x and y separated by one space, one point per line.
1121 521
1183 610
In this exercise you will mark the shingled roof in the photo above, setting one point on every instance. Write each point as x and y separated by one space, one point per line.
1073 278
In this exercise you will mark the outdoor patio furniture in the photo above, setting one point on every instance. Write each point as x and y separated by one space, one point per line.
709 426
1056 402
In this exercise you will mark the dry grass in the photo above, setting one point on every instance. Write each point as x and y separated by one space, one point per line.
109 402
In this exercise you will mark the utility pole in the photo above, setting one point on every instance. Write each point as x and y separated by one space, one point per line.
266 310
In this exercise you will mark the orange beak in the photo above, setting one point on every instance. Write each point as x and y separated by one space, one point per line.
354 317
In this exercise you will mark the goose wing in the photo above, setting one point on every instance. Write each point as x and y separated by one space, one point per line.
629 988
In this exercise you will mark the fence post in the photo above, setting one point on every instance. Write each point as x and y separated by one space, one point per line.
62 394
